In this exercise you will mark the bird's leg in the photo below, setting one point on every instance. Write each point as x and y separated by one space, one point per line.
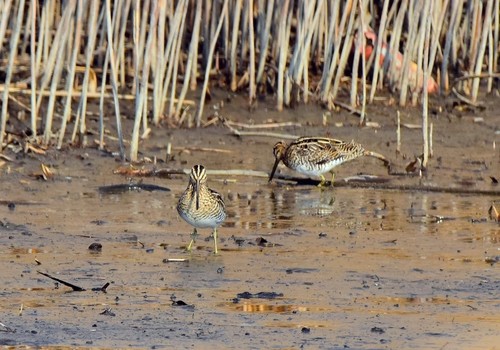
323 181
215 240
333 178
193 239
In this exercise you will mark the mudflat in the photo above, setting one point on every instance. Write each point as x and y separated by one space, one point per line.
395 262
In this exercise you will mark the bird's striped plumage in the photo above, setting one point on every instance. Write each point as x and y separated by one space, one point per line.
315 156
200 206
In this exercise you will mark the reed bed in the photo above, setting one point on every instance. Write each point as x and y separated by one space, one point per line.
155 53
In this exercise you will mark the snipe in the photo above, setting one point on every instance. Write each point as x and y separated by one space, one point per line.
200 206
315 156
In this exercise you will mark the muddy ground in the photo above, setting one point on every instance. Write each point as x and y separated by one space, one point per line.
389 265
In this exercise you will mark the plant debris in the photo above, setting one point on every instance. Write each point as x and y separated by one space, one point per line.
4 328
493 213
75 288
45 173
107 312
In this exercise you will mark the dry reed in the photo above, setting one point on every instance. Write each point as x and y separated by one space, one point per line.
56 53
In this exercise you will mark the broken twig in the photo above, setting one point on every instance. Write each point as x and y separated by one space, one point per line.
240 133
166 172
67 284
262 126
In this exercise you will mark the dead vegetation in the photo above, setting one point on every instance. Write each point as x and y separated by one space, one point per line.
57 58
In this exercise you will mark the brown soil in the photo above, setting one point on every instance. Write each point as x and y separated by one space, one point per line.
348 267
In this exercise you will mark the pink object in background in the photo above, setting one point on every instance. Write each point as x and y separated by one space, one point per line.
416 75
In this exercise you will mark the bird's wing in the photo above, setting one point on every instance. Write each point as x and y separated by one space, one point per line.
318 150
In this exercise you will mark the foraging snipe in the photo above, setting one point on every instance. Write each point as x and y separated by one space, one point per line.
200 206
317 155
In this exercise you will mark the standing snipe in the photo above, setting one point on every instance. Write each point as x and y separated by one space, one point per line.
317 155
200 206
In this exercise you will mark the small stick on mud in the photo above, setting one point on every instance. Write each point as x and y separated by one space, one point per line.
7 158
431 150
72 286
398 135
169 152
101 289
493 213
165 172
351 109
465 99
7 329
75 287
202 149
174 260
238 172
262 126
378 156
240 133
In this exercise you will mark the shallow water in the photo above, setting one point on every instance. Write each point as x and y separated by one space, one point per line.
357 268
338 268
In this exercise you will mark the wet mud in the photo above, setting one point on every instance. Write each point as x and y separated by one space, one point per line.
367 267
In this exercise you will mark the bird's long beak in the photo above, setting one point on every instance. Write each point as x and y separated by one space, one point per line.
197 193
276 162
